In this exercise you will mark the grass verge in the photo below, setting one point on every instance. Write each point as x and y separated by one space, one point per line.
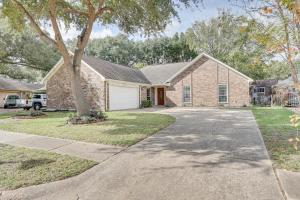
20 167
121 128
276 129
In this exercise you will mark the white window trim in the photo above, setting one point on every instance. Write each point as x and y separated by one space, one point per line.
190 94
219 93
261 92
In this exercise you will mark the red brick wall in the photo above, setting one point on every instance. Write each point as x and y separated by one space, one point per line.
59 89
204 77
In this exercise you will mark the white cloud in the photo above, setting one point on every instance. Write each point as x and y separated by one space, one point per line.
172 28
101 33
72 32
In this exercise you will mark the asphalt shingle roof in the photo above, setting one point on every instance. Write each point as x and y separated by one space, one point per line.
115 71
287 82
12 84
159 74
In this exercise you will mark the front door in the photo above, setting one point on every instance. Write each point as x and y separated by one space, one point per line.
160 96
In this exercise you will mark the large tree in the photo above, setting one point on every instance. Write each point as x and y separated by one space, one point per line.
280 31
145 16
23 55
229 38
120 49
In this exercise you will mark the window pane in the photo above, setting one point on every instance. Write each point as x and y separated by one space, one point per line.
148 94
223 93
186 93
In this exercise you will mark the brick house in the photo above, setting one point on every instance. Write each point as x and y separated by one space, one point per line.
204 81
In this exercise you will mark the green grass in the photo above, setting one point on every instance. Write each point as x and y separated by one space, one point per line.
20 167
121 128
276 129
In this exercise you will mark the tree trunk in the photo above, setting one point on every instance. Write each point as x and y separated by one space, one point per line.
288 46
81 104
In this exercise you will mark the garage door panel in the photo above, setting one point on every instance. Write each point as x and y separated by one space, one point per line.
121 97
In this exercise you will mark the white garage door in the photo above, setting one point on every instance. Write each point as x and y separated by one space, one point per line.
121 97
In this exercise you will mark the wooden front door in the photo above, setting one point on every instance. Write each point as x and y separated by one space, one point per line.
160 96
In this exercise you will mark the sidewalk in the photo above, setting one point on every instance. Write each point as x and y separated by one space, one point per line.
290 182
90 151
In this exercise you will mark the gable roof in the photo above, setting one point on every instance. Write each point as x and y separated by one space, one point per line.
159 74
164 74
106 70
287 82
12 84
114 71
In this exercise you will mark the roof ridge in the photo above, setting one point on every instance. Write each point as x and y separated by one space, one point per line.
172 63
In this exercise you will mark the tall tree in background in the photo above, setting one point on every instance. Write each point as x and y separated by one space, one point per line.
121 50
145 16
228 38
281 30
24 56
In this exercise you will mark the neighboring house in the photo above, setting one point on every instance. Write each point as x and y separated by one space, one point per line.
261 91
204 81
15 87
285 93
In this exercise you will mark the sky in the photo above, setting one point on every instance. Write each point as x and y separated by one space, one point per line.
204 11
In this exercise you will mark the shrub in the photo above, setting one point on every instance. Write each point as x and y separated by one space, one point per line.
146 104
94 117
36 113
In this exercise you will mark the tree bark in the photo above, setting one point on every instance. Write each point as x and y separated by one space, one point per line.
73 65
72 62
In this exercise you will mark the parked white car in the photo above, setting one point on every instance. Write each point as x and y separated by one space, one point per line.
12 101
37 102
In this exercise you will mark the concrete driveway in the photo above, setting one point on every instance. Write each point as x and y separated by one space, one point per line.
207 154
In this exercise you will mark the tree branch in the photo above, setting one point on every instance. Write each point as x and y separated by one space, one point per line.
58 37
77 12
21 64
35 25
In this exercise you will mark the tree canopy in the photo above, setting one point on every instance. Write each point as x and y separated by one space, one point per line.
121 50
24 56
144 16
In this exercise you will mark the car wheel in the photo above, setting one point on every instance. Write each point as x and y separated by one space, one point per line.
37 106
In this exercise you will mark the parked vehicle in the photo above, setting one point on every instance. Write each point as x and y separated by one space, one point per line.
12 101
37 102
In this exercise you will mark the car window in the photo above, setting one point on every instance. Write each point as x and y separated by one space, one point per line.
11 97
36 96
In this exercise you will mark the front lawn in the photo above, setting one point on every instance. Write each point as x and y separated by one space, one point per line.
276 129
20 167
121 128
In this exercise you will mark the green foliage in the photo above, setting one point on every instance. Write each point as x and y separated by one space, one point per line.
94 117
228 38
121 50
23 56
146 104
144 16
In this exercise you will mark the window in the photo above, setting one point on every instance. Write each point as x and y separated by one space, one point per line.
36 96
223 94
148 94
260 90
186 94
